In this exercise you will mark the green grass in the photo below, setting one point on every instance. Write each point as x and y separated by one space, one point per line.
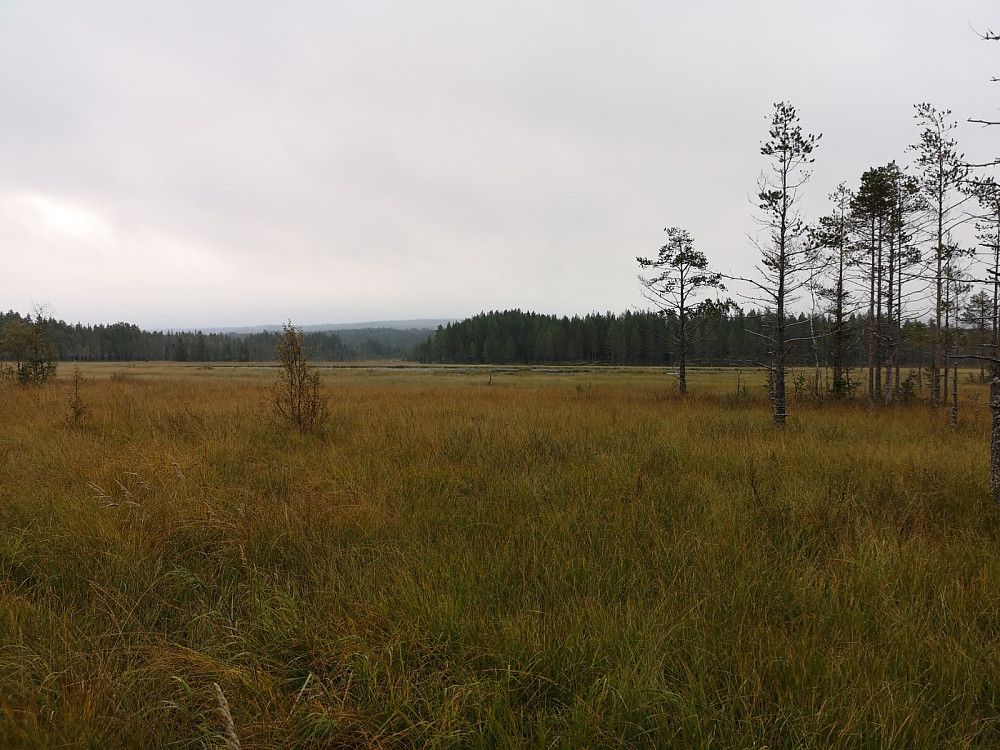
571 559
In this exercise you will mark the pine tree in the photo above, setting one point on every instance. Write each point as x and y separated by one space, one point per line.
833 237
942 171
681 276
784 257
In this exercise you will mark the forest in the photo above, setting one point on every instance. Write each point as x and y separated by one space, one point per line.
646 339
125 342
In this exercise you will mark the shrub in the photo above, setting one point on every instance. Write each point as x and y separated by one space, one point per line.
78 407
296 396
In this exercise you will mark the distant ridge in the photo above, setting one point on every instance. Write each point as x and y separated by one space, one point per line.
420 324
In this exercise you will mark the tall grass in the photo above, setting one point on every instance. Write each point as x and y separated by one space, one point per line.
572 559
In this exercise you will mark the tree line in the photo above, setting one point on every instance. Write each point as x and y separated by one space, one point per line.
732 338
647 339
126 342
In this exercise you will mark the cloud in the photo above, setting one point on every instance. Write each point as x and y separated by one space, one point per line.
54 220
239 162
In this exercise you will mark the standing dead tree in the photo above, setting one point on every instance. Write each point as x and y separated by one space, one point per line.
989 36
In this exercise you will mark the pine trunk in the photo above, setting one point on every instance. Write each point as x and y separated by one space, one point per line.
995 439
954 396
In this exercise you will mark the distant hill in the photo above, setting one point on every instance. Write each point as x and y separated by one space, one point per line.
420 324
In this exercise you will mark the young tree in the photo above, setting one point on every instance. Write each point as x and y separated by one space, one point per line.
681 275
832 237
296 396
942 171
34 356
977 316
956 291
987 192
905 204
784 257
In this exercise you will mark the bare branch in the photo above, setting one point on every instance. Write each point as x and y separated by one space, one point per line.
994 163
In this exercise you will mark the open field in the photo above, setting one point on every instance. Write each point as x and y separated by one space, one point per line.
574 558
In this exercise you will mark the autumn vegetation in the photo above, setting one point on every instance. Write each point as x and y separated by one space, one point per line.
574 558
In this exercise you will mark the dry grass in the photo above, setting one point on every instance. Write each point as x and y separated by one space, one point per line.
566 559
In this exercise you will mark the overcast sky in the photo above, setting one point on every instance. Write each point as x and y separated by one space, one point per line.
182 164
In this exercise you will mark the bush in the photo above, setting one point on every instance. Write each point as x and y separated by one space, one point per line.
296 396
78 407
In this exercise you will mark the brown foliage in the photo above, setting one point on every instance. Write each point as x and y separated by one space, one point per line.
296 395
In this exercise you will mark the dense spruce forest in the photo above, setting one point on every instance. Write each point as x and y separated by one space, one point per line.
645 338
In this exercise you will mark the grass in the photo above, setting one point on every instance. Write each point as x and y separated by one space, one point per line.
567 559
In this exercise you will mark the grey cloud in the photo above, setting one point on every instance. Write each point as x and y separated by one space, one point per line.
337 160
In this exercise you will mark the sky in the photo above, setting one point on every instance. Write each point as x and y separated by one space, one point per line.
232 163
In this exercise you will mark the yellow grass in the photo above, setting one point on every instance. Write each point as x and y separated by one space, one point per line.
575 558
